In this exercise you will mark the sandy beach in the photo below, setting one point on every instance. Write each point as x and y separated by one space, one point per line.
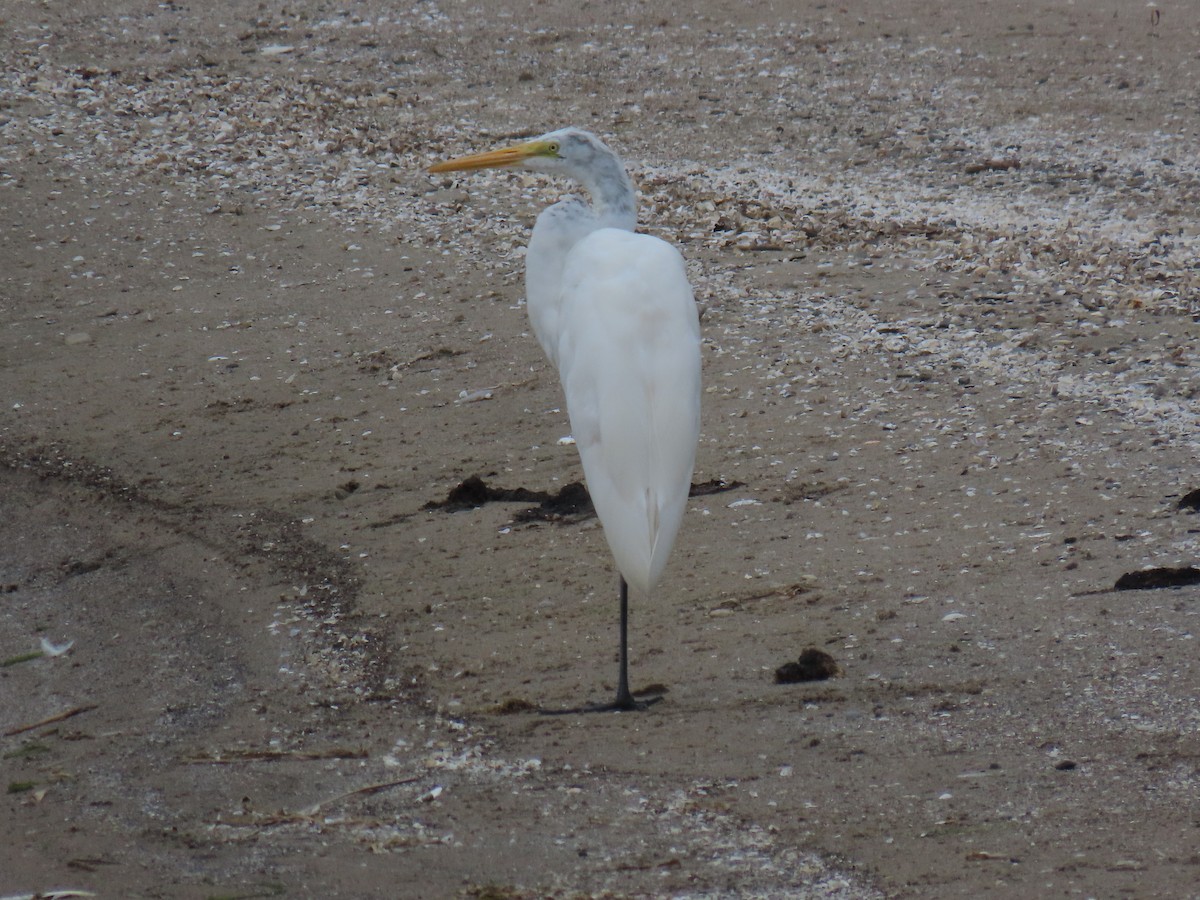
946 257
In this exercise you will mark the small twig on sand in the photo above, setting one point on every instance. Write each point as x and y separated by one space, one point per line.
23 657
308 815
21 729
224 758
363 791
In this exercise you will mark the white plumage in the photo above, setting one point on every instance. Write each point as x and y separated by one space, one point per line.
615 315
629 352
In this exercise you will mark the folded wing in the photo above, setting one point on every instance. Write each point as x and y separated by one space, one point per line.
629 359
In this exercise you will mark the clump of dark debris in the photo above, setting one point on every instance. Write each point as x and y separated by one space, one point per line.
1162 577
1190 500
473 492
512 706
813 665
571 503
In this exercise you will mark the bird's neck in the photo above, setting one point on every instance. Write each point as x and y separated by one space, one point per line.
613 198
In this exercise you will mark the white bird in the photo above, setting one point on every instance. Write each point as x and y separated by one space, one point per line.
615 314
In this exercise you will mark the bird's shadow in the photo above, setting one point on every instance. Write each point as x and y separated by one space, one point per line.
635 705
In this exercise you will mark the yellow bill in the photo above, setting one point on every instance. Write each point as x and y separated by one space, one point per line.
492 159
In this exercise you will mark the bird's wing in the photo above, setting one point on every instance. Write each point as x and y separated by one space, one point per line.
559 228
629 358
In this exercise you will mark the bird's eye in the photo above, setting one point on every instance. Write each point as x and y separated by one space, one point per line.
552 148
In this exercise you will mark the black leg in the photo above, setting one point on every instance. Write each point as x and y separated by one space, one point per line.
625 700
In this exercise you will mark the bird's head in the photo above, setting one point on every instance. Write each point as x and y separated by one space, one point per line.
569 151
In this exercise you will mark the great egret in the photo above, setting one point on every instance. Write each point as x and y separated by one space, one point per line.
614 312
